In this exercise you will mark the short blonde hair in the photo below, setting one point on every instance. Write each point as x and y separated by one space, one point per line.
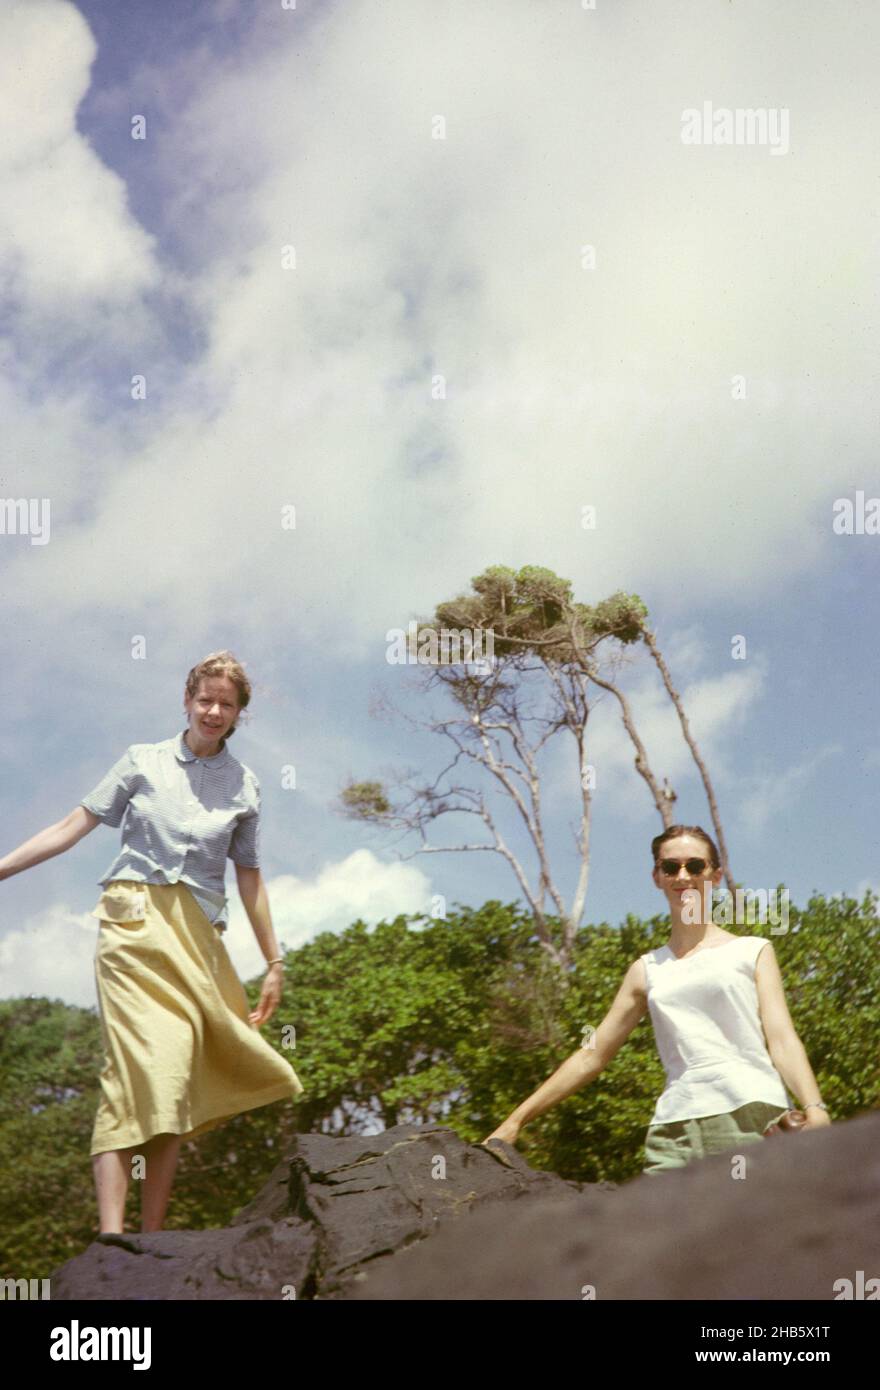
221 663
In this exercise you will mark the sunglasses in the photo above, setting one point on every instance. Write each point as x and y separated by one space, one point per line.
670 867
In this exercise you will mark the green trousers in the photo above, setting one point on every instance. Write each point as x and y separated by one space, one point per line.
678 1143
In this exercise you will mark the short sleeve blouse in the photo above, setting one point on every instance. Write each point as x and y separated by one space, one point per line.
182 817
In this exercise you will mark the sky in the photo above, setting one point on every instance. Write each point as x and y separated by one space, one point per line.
346 260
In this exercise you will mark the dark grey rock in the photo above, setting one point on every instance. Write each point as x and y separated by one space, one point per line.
806 1214
416 1213
331 1206
251 1261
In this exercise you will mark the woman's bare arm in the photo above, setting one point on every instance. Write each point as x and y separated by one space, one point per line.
628 1009
787 1052
55 839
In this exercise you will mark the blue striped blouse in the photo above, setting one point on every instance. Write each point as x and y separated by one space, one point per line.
184 816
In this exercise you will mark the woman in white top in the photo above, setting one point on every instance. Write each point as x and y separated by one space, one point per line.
721 1023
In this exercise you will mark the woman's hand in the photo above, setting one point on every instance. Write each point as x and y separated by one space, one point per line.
270 996
816 1118
508 1131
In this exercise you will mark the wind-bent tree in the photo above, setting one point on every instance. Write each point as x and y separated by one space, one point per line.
547 651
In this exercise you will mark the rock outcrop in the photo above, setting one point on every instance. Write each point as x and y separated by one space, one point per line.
416 1213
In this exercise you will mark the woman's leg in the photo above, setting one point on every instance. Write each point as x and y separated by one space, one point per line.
112 1171
162 1152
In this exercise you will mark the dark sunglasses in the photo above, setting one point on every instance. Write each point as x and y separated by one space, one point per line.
670 867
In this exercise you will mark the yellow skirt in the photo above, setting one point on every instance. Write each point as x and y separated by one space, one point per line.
180 1056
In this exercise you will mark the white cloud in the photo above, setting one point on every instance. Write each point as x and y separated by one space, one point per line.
462 257
68 243
52 955
359 886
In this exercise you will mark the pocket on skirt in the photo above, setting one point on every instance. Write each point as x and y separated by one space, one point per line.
125 906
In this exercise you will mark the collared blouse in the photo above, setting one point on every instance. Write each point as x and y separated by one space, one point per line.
184 816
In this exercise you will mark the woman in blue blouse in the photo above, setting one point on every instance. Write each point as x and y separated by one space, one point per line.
181 1051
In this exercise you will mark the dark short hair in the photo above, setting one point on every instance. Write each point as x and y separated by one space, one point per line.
672 833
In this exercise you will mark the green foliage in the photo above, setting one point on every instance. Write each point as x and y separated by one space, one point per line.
531 612
622 616
364 801
50 1056
454 1022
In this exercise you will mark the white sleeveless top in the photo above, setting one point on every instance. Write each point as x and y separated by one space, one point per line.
707 1026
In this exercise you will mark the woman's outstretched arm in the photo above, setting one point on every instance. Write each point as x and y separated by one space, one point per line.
55 839
629 1008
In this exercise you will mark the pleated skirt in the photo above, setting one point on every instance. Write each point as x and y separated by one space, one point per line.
180 1056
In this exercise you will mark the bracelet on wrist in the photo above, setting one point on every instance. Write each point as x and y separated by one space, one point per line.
816 1105
278 960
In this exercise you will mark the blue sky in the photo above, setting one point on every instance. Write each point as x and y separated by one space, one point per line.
565 386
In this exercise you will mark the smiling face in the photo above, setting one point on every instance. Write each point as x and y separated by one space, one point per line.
683 848
214 708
